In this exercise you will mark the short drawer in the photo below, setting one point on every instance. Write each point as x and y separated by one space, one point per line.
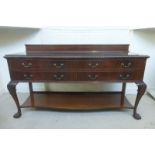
110 76
43 76
24 64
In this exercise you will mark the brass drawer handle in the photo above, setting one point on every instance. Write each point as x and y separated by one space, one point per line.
28 76
92 77
93 65
126 64
58 77
124 76
58 65
28 65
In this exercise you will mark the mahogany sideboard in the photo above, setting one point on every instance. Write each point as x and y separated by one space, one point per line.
77 64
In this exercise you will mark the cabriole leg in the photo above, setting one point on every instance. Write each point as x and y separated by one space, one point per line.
12 89
141 90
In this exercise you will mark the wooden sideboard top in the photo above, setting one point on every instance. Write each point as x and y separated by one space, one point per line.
76 51
74 55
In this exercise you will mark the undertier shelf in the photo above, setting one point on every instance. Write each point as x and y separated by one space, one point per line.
76 101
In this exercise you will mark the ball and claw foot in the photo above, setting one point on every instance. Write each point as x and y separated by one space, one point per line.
17 115
137 116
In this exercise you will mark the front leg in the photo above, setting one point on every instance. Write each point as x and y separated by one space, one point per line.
141 90
12 89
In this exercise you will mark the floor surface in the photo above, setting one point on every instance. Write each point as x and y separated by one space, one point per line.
49 119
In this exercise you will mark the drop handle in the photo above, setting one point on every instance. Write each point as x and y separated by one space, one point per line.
58 77
28 65
28 76
92 77
124 76
126 64
58 65
93 65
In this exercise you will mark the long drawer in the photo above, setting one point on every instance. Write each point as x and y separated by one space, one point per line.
76 64
43 76
77 76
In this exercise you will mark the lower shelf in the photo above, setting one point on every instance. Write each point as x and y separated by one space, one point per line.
76 101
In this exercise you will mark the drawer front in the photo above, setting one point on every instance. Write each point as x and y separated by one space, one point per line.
41 65
112 64
43 76
110 76
78 76
76 64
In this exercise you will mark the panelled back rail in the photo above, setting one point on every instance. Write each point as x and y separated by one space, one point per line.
78 64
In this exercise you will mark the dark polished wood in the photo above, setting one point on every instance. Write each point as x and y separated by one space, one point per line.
49 64
12 89
141 90
78 64
128 76
77 101
123 94
39 49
